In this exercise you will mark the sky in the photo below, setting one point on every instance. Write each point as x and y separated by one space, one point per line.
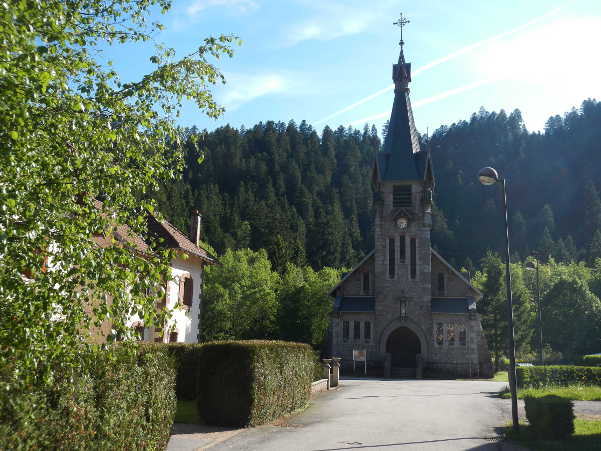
329 62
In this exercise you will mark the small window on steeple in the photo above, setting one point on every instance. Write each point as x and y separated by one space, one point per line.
401 196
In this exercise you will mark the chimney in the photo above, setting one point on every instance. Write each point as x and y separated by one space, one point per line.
195 227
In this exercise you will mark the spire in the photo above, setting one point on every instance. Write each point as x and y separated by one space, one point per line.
398 161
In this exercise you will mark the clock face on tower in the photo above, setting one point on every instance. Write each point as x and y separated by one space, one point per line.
401 223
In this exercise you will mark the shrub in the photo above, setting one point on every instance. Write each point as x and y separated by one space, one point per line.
551 417
592 360
558 375
253 382
125 400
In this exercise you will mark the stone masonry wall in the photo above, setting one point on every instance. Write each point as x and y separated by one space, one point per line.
390 291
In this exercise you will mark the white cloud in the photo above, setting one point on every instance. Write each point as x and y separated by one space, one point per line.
243 88
241 6
331 20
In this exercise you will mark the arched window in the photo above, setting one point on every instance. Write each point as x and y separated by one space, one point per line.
441 284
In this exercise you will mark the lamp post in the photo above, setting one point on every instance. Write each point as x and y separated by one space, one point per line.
489 176
530 266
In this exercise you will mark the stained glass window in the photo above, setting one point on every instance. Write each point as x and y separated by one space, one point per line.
462 335
451 334
439 334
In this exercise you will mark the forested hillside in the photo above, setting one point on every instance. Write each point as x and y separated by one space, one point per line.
307 198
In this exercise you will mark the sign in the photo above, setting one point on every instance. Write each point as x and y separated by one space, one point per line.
360 355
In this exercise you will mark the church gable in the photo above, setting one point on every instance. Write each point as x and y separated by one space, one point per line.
359 281
447 282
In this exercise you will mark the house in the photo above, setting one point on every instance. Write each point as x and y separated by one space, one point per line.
183 289
404 303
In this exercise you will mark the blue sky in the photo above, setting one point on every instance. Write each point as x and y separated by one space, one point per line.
329 61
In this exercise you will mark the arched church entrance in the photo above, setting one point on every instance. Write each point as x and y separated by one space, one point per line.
403 345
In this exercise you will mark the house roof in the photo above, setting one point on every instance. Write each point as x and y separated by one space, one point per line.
355 304
177 240
171 237
452 305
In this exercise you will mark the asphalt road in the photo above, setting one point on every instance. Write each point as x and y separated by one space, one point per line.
386 415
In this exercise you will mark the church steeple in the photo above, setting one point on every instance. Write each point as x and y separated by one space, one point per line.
401 159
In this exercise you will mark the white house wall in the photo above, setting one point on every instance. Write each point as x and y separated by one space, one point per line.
184 321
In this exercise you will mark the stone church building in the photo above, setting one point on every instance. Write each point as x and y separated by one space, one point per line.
404 303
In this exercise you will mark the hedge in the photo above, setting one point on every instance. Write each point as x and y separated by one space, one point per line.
122 401
592 360
245 383
551 417
557 375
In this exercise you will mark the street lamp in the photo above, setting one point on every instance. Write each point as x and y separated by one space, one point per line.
489 176
531 267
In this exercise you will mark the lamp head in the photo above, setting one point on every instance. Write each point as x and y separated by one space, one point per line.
488 176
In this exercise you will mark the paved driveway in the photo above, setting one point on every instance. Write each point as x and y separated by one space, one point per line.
386 415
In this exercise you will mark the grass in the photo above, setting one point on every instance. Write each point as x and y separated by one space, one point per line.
501 376
587 437
187 413
573 392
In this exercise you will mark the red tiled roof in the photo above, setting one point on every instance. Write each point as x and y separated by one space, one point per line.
171 237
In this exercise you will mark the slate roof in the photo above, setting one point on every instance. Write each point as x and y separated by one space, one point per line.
401 158
452 305
355 303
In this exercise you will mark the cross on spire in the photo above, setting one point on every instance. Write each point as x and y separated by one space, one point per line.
401 22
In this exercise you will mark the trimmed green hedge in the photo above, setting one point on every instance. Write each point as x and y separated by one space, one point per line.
591 360
558 375
253 382
551 417
123 401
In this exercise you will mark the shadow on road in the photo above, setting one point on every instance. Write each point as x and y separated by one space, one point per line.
493 445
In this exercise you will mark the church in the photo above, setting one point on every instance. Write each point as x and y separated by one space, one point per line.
404 304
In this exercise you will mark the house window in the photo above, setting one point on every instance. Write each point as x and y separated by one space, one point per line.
188 289
401 196
451 334
462 335
139 333
173 337
367 331
345 331
441 288
366 282
391 258
413 257
402 249
357 330
439 334
185 290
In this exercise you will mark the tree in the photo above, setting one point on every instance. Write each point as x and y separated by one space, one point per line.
72 131
305 305
571 318
594 248
240 298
